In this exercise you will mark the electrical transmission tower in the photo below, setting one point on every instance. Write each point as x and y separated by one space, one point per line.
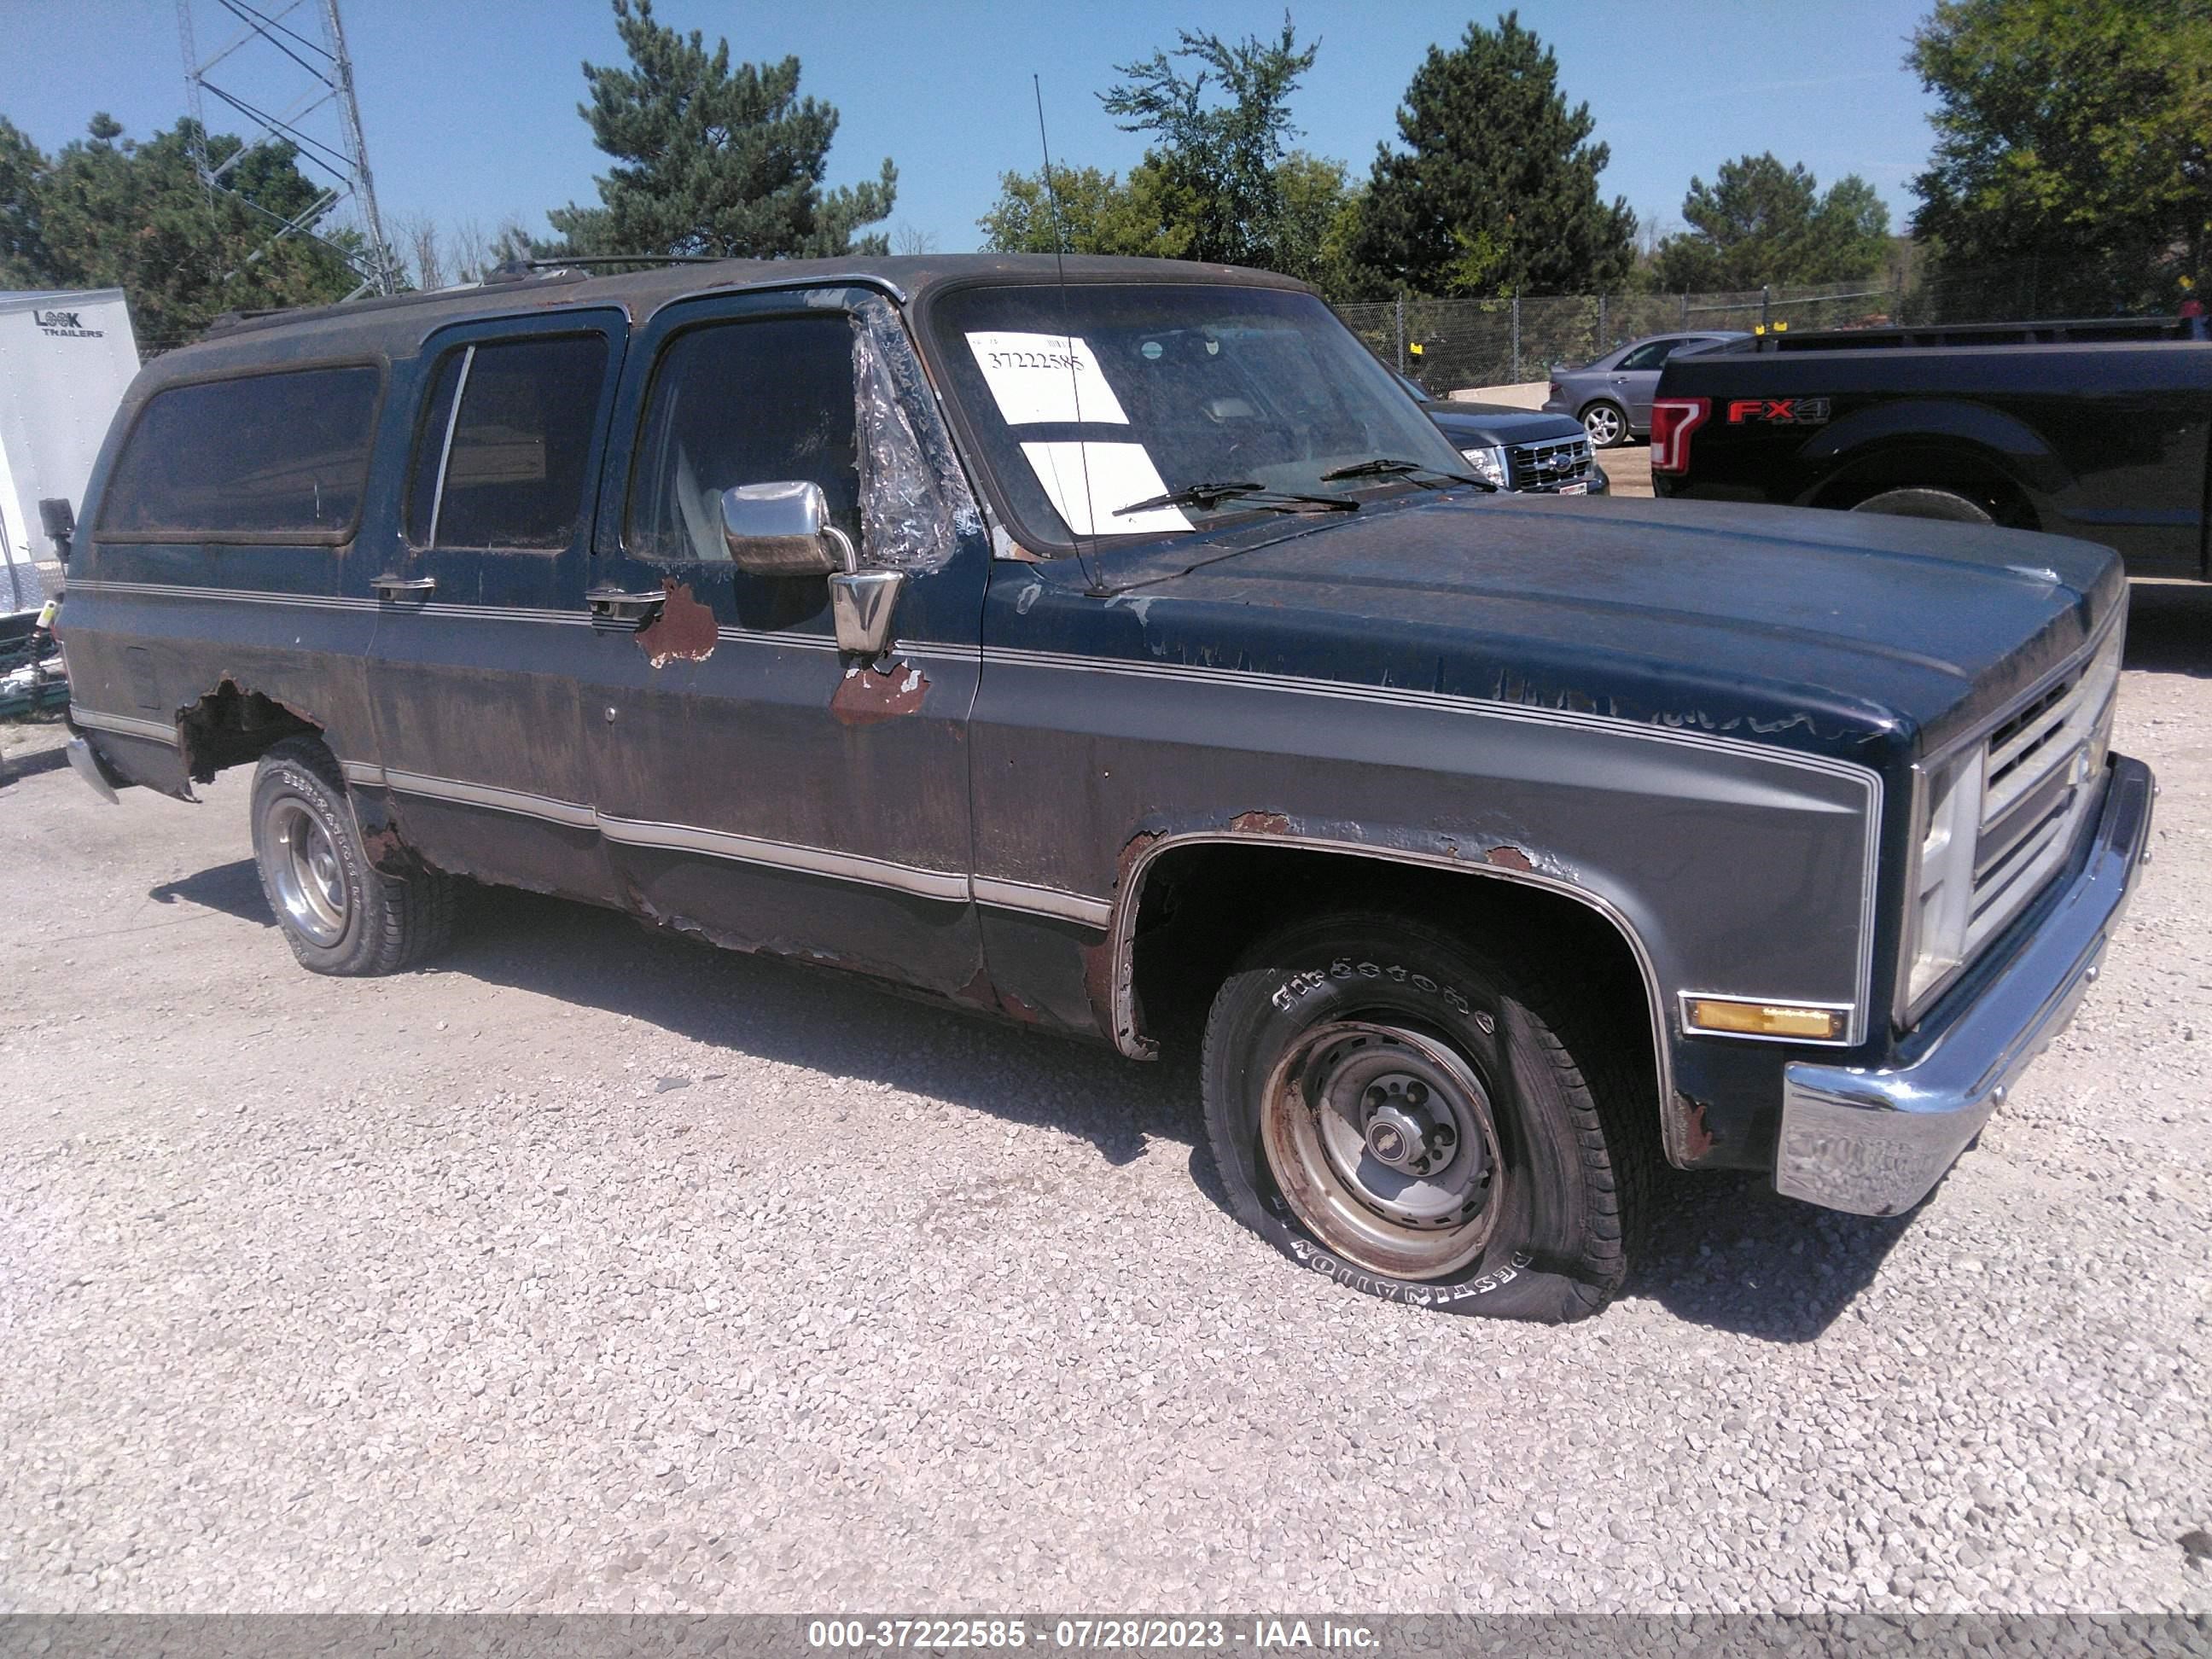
286 71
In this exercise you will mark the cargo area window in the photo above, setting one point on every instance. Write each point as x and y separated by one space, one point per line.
739 402
263 456
501 452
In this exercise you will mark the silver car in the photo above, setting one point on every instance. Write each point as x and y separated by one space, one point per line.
1612 396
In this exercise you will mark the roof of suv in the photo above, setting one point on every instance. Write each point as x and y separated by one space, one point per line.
396 326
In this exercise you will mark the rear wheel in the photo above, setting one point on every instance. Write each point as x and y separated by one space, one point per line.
1919 502
1389 1108
1607 424
337 912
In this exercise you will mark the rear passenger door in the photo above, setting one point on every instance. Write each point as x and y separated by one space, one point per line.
483 627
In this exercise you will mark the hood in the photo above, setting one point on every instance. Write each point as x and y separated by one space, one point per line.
1469 425
1852 634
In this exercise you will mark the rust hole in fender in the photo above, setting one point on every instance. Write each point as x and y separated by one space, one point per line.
683 630
868 694
1510 858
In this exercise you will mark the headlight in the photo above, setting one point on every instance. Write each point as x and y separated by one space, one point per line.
1488 463
1939 901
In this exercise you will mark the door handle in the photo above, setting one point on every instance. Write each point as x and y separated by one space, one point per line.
403 587
612 605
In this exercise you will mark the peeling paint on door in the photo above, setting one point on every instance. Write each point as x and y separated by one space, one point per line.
684 630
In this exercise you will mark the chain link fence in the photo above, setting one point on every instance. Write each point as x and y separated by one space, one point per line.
1449 344
1472 342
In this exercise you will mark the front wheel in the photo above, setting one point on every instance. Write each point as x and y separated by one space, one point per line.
1391 1109
1607 425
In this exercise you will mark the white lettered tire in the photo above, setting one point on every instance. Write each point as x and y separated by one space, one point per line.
1395 1112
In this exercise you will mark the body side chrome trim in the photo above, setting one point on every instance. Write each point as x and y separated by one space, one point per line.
574 814
787 855
450 610
125 726
953 886
1042 901
236 595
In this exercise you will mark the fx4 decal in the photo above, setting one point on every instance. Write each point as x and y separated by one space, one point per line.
1778 411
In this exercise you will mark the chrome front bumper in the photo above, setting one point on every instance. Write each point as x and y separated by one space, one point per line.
1874 1142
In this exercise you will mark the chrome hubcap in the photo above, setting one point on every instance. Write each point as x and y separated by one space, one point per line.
1381 1139
305 870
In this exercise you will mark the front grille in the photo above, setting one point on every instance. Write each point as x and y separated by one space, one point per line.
1553 461
2040 770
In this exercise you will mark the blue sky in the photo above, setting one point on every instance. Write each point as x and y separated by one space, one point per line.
469 105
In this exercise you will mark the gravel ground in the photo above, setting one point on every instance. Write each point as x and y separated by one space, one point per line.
599 1270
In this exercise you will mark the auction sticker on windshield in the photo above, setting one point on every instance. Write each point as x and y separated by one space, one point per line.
1040 378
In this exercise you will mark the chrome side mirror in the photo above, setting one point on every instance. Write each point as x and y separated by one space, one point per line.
784 530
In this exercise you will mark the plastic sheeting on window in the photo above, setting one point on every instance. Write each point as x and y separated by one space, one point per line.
915 505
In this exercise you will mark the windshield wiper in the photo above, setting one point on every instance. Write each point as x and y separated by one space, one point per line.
1383 467
1245 491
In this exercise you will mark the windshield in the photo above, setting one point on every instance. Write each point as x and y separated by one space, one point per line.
1146 390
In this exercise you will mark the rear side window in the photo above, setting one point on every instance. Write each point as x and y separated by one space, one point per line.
501 456
263 456
1652 354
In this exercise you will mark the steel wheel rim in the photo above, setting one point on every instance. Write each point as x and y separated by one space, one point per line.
304 866
1326 1124
1603 426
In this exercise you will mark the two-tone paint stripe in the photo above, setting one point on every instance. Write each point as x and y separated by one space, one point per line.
1053 902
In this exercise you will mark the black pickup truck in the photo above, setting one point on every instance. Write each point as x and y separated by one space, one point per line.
2097 428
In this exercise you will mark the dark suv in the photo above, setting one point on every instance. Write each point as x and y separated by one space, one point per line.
1122 652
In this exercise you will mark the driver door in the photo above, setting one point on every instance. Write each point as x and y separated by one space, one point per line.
753 782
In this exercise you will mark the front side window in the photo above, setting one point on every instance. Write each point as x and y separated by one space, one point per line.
502 451
262 456
765 401
1090 399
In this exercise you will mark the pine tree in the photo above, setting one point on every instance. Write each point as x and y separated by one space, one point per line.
1760 221
712 159
1496 189
109 212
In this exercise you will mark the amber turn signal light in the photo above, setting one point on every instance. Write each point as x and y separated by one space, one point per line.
1779 1019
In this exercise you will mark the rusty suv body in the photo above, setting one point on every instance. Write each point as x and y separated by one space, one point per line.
1040 749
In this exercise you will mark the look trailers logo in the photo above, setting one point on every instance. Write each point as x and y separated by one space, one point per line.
1778 411
66 325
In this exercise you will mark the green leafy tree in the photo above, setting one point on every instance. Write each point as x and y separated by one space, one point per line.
712 159
107 212
1098 212
1495 191
2074 133
1761 222
1221 142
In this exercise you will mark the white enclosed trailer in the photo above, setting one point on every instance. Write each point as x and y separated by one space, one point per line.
65 360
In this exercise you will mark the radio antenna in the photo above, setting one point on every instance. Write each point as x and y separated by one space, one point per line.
1067 336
